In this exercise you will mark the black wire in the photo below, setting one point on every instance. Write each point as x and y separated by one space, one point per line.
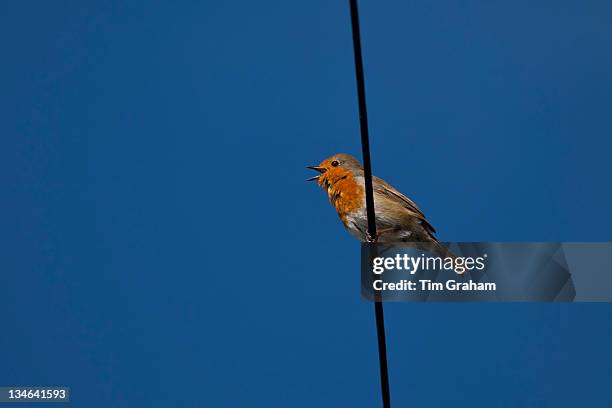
367 169
363 120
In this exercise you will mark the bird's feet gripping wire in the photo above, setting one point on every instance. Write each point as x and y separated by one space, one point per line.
370 238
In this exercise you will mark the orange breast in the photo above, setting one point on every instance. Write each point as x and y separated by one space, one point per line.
346 195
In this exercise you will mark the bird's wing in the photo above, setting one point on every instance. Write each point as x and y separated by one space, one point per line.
384 188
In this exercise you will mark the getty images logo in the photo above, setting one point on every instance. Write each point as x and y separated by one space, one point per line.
413 264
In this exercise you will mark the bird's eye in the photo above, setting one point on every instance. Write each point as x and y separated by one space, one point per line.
335 163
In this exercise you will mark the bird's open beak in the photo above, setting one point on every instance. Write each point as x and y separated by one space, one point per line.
316 168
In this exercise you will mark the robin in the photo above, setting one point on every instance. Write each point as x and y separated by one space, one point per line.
398 219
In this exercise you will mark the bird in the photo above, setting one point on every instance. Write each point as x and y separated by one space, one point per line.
398 219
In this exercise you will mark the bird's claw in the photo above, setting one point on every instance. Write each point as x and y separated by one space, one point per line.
370 238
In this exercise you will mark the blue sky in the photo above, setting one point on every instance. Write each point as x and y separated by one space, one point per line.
163 249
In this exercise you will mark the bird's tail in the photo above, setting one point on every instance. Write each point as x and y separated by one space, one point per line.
442 250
